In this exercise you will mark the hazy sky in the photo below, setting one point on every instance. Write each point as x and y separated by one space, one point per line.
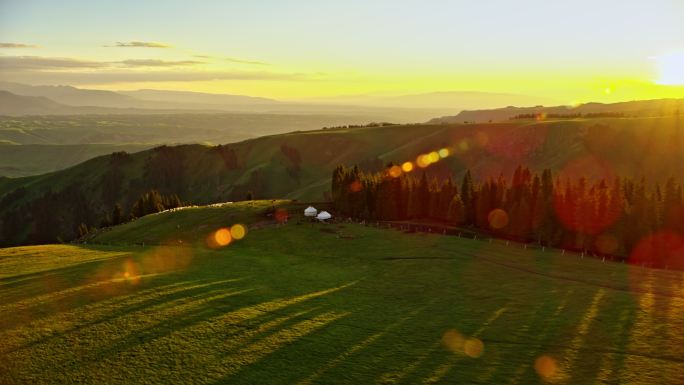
570 51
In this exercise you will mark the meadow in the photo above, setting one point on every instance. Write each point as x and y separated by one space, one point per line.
303 303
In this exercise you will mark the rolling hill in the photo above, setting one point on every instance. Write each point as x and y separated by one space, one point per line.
298 165
328 304
35 159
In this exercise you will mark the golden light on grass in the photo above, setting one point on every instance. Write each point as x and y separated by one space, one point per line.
395 171
222 237
407 167
473 347
238 231
131 272
498 219
546 367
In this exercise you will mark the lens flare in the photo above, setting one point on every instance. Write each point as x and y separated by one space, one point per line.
395 171
443 153
473 347
407 167
546 367
453 340
423 161
238 231
498 219
662 249
222 237
281 215
606 244
434 156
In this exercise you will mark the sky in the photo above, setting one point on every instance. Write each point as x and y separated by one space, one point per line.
569 51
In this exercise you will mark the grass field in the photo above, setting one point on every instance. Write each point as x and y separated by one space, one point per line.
329 304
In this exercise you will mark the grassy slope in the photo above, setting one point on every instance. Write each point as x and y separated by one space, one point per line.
295 304
631 146
24 160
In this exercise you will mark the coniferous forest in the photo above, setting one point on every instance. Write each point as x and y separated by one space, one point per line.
626 219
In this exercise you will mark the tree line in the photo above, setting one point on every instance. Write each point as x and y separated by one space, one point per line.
621 218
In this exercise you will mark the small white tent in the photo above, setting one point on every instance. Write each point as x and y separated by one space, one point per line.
310 211
323 216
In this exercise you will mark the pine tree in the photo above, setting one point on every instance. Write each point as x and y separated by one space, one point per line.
468 198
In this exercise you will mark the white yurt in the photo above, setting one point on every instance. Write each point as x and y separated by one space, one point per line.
310 211
323 216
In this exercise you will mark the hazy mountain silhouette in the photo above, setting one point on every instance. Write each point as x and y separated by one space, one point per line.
656 107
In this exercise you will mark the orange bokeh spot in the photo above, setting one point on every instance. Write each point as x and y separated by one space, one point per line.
498 219
546 367
222 237
355 186
395 171
281 215
606 244
407 167
473 347
662 249
453 340
131 272
481 139
238 231
423 161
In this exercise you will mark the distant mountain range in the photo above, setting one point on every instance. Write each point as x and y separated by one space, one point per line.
643 108
462 100
66 98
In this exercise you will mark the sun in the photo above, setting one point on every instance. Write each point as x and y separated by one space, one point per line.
671 69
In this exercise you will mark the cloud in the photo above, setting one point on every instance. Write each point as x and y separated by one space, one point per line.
55 70
17 45
39 63
139 44
158 63
46 63
242 61
233 60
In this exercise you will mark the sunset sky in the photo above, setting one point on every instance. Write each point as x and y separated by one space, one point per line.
569 51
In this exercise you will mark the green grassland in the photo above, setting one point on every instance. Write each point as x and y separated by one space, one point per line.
35 159
328 304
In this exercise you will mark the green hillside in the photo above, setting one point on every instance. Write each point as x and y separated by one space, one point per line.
298 165
328 304
36 159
